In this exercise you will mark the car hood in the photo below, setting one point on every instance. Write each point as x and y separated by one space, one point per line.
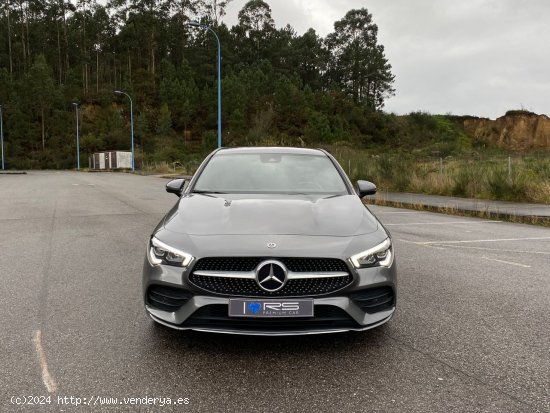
198 214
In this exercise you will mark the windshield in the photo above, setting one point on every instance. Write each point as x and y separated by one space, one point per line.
270 173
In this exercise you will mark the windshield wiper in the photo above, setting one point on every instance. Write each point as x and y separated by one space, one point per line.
334 196
312 194
208 192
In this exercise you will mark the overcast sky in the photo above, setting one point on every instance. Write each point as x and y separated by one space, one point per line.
470 57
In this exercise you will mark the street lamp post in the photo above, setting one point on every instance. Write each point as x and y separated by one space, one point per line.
119 92
77 138
2 135
204 26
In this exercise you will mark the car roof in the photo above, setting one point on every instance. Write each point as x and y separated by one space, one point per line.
272 149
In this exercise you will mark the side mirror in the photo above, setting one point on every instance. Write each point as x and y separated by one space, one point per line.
175 186
366 188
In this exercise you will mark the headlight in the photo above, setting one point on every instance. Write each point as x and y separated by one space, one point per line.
161 253
381 255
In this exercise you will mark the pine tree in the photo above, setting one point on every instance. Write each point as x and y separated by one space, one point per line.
358 63
164 127
41 90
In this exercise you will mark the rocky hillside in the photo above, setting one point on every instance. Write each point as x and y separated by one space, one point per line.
516 130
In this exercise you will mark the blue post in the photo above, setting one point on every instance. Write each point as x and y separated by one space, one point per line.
77 138
132 131
219 89
2 135
119 92
196 24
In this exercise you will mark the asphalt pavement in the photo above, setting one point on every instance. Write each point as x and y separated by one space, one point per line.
471 333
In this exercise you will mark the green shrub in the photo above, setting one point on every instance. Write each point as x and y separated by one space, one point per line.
462 181
318 128
209 140
502 186
396 171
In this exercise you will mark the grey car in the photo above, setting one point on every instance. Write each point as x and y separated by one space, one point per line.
270 241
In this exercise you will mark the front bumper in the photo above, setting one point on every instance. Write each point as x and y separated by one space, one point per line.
338 312
270 332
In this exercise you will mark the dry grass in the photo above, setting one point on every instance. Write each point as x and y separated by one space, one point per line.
171 168
432 182
489 178
540 193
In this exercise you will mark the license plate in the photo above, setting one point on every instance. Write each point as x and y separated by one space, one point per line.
247 307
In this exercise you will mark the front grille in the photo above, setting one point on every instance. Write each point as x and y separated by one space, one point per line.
226 285
374 300
167 298
215 316
250 264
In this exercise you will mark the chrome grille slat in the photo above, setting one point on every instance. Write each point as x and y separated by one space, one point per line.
307 275
227 274
236 276
252 275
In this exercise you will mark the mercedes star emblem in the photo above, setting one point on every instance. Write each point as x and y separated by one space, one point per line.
271 275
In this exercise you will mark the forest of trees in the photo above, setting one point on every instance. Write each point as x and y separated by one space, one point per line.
278 86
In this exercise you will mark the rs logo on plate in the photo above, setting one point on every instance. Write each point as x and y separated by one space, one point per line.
254 308
282 306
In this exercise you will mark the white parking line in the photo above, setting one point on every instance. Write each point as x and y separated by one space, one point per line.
507 262
478 240
48 380
441 223
497 249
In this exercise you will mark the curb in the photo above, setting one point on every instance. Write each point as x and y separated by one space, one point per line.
523 219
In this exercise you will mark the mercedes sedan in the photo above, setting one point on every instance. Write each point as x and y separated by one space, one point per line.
270 241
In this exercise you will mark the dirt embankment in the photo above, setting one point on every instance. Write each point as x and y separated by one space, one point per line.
517 130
